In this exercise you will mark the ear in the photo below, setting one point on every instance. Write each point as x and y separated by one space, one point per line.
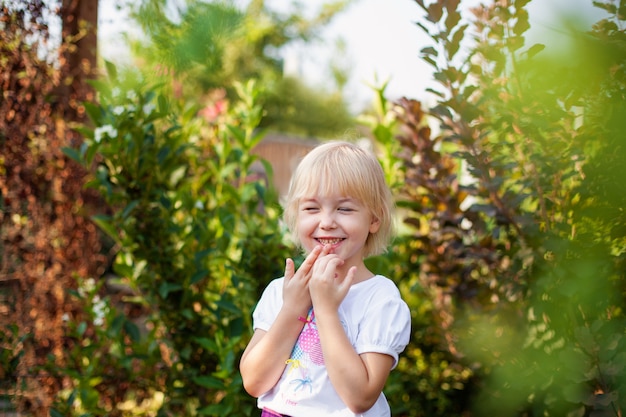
374 225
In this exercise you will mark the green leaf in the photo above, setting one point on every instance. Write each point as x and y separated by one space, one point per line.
111 70
72 154
429 51
228 170
71 398
238 133
122 269
104 223
177 175
116 325
534 50
85 131
228 306
269 170
94 112
452 20
163 106
163 154
208 381
81 328
435 92
55 413
435 11
215 410
132 330
208 344
166 287
90 153
453 47
431 61
424 28
129 208
198 276
74 293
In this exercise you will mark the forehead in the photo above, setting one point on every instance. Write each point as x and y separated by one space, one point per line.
329 198
326 187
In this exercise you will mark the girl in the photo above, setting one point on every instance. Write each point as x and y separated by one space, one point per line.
327 335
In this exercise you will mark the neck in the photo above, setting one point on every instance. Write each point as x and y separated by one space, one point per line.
362 273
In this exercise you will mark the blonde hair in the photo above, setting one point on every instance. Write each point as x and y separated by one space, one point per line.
344 168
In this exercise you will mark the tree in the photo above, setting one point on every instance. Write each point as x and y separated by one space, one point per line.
44 238
78 54
515 212
206 46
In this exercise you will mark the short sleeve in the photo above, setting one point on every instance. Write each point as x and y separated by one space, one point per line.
268 306
386 328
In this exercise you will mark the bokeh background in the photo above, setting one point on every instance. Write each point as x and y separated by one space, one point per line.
145 147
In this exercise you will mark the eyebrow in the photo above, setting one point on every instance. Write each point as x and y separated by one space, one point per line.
348 200
340 200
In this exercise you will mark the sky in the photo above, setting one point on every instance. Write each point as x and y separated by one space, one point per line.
382 42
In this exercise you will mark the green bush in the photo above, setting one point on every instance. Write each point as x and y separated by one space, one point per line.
197 236
513 261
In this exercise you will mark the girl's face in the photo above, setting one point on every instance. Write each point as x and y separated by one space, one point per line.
340 221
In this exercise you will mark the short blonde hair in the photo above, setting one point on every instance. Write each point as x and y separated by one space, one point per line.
344 168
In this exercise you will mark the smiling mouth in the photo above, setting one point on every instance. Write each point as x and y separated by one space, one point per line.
329 241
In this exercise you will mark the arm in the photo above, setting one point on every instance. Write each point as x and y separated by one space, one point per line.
263 361
358 379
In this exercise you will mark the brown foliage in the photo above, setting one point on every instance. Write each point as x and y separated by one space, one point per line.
45 237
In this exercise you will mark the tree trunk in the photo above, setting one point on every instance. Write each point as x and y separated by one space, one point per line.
78 55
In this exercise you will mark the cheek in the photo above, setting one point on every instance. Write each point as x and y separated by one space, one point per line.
302 229
302 237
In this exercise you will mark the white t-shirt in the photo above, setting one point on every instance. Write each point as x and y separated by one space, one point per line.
375 318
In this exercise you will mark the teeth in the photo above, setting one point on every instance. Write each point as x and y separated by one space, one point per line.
329 241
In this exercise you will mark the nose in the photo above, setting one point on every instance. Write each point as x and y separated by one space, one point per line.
327 220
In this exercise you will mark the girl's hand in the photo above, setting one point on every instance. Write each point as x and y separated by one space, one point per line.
326 286
296 286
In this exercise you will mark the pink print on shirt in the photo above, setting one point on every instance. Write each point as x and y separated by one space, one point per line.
306 352
309 342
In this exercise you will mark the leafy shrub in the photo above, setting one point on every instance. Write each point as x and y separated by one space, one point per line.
196 229
515 238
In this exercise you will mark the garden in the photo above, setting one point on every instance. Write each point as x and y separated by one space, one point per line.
137 230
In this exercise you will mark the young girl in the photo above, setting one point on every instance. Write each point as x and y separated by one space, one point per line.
327 336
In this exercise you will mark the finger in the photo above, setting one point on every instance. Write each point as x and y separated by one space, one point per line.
329 265
310 259
347 281
290 269
325 251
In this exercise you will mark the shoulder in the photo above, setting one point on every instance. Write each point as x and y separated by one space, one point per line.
276 283
376 291
383 286
268 305
382 319
274 288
